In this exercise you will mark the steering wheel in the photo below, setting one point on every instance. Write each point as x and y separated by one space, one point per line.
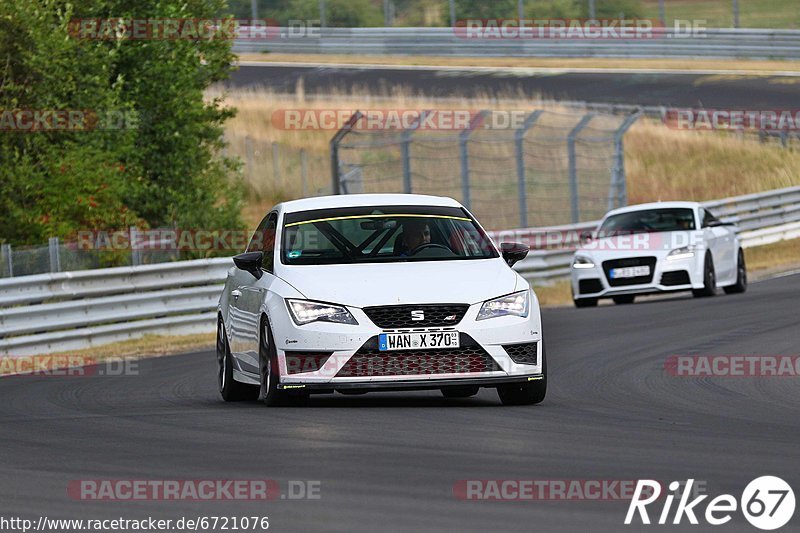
421 247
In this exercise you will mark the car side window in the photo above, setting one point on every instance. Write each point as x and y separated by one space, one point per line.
708 218
263 240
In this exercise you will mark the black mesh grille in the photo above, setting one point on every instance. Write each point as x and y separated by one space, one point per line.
629 262
399 316
369 361
522 353
678 277
589 286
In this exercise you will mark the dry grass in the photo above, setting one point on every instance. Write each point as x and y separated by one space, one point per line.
777 257
147 346
751 66
666 164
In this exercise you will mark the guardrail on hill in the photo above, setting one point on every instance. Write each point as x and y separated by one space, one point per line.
710 43
64 311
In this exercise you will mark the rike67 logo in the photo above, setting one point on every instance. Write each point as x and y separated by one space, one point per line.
767 503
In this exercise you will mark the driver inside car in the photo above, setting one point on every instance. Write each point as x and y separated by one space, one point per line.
416 233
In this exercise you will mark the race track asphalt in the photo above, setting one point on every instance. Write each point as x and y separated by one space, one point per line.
721 91
388 462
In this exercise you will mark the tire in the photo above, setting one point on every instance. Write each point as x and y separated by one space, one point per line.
624 299
585 302
741 276
230 389
464 391
709 280
527 393
269 373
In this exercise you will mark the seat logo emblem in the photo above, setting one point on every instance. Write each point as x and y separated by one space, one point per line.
418 315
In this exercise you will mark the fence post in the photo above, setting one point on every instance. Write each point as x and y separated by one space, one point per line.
9 259
248 148
334 149
735 13
276 168
55 256
619 184
573 167
304 170
463 139
519 137
405 155
136 258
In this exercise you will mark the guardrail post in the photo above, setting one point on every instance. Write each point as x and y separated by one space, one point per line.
573 167
136 255
519 138
304 170
405 155
55 256
463 139
6 249
618 191
334 149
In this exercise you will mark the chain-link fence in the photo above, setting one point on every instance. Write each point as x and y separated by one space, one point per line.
554 168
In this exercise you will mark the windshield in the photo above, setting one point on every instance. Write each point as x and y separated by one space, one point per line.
382 234
648 221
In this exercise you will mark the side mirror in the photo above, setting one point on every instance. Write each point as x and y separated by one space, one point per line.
513 252
250 262
586 237
720 223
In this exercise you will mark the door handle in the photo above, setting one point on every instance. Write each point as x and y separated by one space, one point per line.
236 293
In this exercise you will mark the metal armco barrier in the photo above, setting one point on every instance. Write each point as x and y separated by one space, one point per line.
63 311
708 43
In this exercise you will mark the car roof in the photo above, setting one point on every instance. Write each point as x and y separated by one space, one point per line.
653 205
361 200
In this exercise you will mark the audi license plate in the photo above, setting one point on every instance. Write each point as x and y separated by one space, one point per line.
630 272
418 341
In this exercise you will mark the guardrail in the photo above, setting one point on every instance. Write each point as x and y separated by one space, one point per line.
64 311
708 43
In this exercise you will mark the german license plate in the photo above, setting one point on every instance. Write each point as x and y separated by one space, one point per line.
418 341
630 272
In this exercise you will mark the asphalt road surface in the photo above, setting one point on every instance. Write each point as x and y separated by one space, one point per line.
389 462
667 89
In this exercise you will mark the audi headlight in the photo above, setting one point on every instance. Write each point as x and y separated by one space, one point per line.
514 305
686 252
305 312
582 262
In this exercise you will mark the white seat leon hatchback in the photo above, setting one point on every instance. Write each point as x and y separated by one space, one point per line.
377 292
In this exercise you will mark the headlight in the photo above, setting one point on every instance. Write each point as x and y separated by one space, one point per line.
582 262
305 312
687 252
514 304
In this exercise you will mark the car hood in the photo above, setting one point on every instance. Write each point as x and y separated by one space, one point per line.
466 281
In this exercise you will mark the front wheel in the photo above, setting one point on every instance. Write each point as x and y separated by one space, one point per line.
585 302
624 299
709 280
741 276
269 373
527 393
